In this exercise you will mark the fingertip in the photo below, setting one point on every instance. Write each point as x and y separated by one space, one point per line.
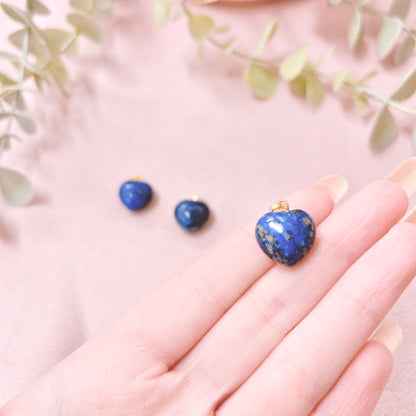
390 335
335 185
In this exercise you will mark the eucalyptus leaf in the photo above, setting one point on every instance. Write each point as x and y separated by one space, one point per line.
6 81
361 103
293 65
325 56
388 35
15 187
85 26
261 80
298 85
26 124
21 16
355 31
104 9
405 50
200 26
314 90
265 37
400 8
58 72
383 131
60 41
85 6
222 29
161 12
35 6
15 98
406 87
36 47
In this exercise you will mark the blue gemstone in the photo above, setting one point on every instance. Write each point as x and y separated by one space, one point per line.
191 215
286 237
135 195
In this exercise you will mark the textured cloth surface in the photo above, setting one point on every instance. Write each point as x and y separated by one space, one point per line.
76 259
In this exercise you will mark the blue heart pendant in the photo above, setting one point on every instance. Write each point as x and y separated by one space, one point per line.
135 194
285 236
192 214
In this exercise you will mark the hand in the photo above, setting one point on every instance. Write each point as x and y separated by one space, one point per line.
234 334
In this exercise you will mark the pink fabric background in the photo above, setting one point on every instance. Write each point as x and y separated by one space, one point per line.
75 260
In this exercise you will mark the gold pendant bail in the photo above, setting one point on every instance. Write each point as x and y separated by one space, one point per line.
137 178
281 206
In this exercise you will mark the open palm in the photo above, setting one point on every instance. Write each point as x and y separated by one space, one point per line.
235 334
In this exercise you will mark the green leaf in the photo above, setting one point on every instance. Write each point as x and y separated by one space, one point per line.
293 65
60 41
85 26
298 85
265 37
339 80
222 29
324 57
383 131
400 8
261 80
406 87
314 90
104 9
405 50
35 6
161 12
355 31
58 72
35 47
388 35
200 26
5 81
84 6
21 16
362 105
15 187
15 98
26 124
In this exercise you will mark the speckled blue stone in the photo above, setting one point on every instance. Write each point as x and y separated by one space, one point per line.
135 195
191 215
286 237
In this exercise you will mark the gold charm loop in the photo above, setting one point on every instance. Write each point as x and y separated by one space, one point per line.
281 206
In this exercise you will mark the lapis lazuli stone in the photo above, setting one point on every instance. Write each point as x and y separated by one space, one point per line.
135 195
286 237
191 215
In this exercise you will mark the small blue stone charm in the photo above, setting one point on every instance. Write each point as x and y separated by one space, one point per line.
285 236
135 194
191 214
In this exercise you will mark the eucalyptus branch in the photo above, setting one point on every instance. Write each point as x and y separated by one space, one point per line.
305 78
48 47
6 135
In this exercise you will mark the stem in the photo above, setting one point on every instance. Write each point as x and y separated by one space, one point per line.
275 63
386 100
12 114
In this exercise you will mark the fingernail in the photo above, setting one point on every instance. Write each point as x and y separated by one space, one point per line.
390 335
405 175
335 185
411 217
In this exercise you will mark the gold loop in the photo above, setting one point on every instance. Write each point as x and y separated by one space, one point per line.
136 178
281 206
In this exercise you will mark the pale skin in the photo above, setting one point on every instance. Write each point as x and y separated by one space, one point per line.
235 334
